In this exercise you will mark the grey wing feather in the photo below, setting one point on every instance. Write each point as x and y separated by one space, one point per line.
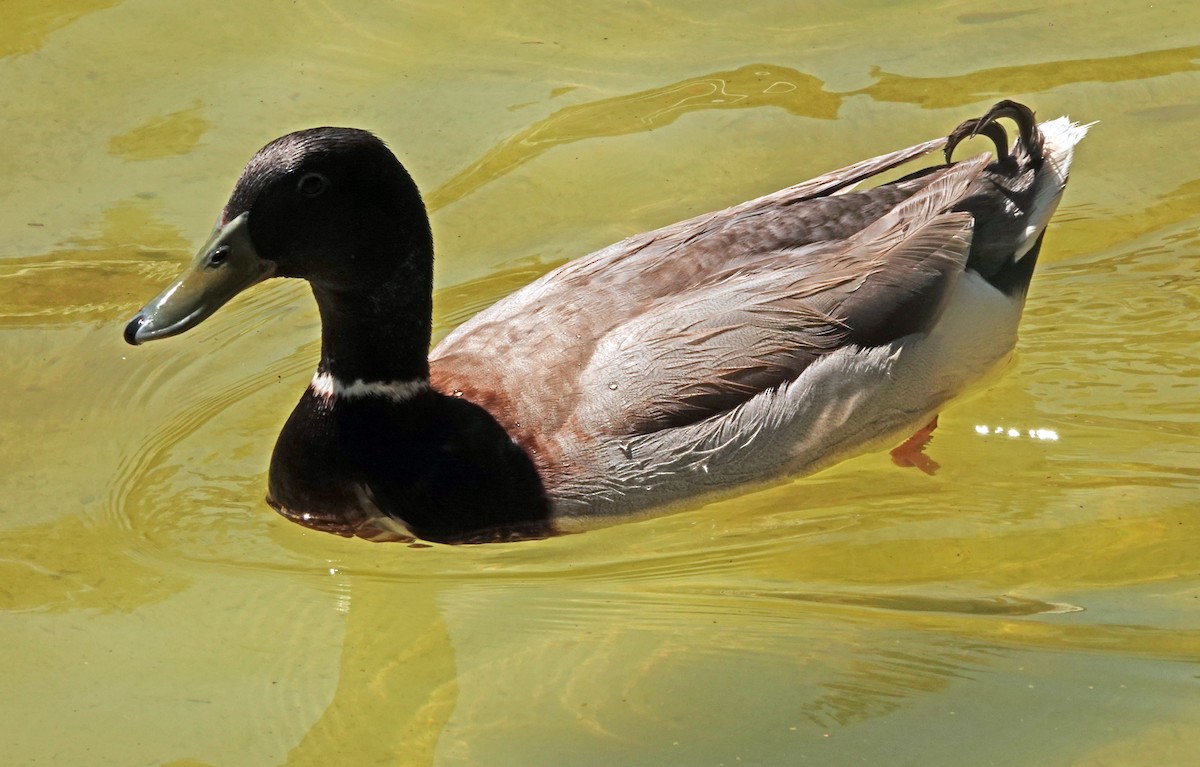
691 359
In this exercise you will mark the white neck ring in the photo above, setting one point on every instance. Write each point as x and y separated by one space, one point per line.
326 386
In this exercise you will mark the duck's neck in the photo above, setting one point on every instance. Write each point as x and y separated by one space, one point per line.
376 336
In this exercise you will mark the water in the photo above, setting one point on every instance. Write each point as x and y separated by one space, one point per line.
1035 602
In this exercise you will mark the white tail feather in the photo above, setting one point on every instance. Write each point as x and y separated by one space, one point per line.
1060 137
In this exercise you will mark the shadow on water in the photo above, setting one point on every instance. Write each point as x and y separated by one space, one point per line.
397 682
169 135
747 87
1000 82
94 279
34 27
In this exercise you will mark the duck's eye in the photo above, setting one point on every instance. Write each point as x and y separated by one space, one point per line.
312 184
218 256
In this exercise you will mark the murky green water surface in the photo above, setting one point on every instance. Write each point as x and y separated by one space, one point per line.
1035 602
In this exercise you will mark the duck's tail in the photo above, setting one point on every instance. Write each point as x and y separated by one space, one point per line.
1017 194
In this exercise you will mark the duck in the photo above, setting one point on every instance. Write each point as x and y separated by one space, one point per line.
703 359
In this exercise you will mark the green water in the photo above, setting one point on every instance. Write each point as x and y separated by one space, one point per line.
1037 601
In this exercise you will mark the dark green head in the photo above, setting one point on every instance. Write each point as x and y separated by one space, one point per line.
330 205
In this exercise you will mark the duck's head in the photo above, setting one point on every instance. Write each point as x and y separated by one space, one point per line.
331 205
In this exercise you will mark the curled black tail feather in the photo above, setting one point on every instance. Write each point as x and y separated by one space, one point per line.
1030 136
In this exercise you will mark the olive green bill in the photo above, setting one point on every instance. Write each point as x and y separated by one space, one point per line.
224 267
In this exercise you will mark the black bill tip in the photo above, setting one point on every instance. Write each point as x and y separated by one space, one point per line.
132 328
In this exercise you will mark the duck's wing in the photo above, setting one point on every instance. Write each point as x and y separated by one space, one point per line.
708 350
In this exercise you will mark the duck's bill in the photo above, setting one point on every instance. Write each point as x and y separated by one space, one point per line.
224 267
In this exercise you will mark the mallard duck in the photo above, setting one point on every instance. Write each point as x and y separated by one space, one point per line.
766 340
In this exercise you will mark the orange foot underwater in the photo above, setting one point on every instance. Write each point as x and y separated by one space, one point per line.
911 452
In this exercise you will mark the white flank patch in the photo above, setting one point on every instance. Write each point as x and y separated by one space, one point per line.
326 386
